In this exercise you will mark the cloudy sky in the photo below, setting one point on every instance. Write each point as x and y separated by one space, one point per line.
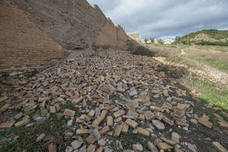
166 18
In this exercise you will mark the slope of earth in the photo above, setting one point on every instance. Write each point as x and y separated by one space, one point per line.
106 100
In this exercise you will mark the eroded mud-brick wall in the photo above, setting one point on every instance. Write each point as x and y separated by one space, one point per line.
72 23
112 36
32 29
22 44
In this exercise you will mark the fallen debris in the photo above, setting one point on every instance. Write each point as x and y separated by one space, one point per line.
219 147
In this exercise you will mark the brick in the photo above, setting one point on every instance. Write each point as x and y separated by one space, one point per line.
109 121
6 125
104 130
131 123
125 128
91 139
52 147
118 130
143 131
90 115
3 98
204 120
223 124
141 117
82 132
156 109
52 109
69 112
100 149
78 100
100 118
148 115
128 117
175 137
118 113
4 108
219 147
22 122
91 148
182 107
164 146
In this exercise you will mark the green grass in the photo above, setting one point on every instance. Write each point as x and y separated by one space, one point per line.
27 136
219 65
209 93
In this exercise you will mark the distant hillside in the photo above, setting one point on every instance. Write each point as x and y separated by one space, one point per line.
205 37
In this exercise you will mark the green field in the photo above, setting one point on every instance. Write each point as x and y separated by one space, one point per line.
194 57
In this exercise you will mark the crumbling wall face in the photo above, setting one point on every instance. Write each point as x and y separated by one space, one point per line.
122 38
107 36
22 43
136 37
72 23
112 36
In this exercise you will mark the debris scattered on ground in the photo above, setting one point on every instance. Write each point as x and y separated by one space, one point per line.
111 100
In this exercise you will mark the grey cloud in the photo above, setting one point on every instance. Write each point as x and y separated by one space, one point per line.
159 18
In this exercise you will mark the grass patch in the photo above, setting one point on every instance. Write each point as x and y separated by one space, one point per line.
209 93
213 63
128 140
26 137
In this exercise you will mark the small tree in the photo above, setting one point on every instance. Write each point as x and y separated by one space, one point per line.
160 42
178 40
152 40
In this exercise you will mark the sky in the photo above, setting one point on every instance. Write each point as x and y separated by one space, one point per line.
166 18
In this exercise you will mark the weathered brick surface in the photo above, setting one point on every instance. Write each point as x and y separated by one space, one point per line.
22 43
30 29
112 36
72 23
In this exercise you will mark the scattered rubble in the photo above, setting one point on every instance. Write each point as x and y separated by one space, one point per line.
204 120
158 124
137 147
219 147
111 94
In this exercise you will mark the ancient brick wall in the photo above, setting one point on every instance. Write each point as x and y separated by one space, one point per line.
31 29
72 23
22 43
107 36
136 37
122 38
112 36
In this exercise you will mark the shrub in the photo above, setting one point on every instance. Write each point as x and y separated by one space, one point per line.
138 49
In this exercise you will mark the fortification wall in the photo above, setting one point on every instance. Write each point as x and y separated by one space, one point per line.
112 36
122 37
31 28
22 44
72 23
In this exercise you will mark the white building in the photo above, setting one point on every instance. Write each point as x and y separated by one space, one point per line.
155 41
148 42
168 41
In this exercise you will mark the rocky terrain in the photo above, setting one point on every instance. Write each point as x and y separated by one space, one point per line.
106 100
